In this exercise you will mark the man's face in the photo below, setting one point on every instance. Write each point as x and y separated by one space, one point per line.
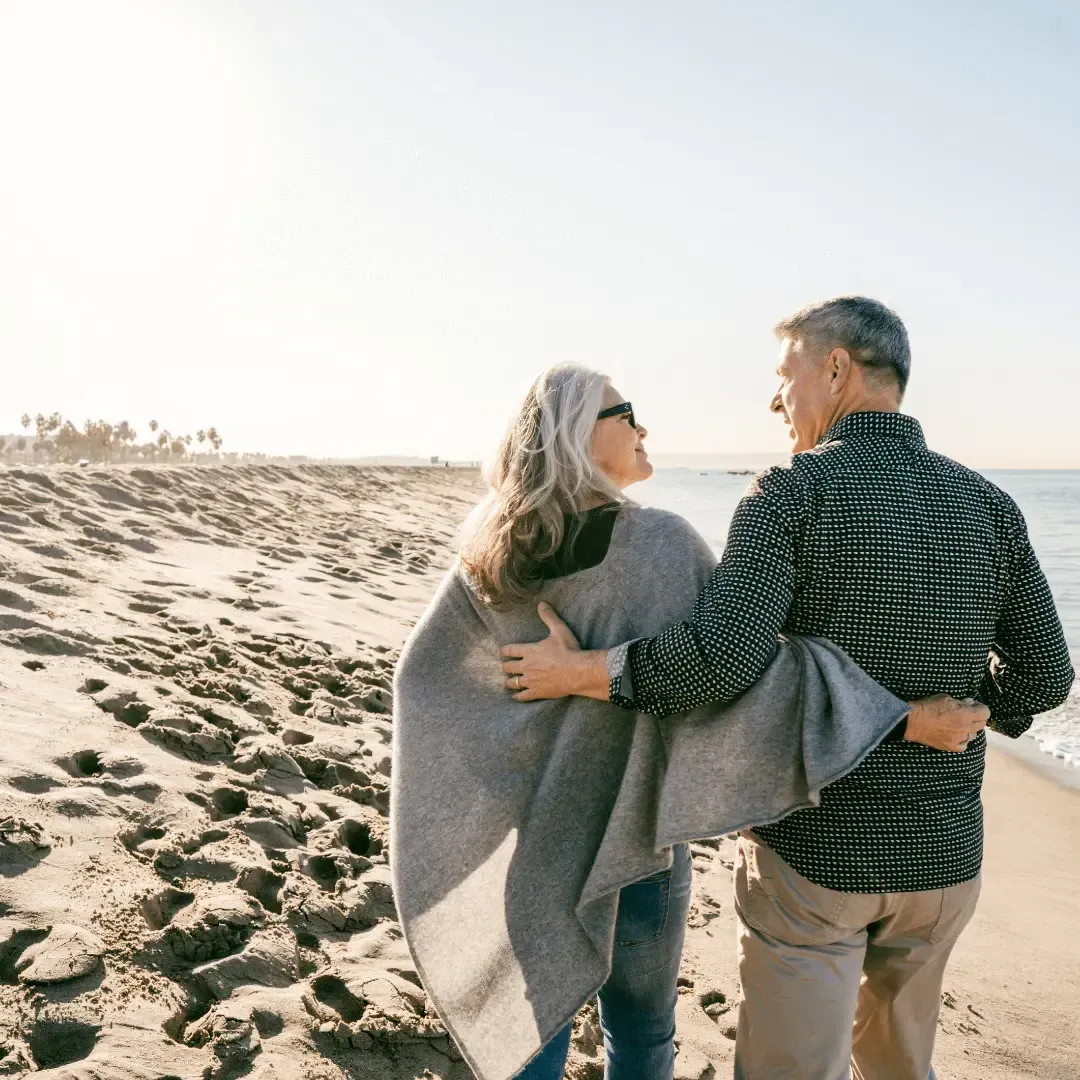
804 398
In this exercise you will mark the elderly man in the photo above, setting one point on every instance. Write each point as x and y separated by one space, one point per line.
922 570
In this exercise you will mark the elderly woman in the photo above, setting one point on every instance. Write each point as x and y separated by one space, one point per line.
538 849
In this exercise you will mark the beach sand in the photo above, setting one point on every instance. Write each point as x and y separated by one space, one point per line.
195 675
195 704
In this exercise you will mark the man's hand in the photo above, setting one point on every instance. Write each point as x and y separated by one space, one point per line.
555 667
945 723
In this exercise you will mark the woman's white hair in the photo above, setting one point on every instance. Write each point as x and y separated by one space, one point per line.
542 471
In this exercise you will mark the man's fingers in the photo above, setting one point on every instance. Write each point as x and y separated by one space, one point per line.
513 651
513 667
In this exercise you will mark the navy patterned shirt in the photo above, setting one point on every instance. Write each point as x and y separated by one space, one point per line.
923 572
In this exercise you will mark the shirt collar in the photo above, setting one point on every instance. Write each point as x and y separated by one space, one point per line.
883 425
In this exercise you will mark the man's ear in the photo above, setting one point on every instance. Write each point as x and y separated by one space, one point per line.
838 365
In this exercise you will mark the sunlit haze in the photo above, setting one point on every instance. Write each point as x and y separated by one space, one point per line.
347 229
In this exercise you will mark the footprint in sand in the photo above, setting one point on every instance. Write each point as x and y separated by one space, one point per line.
188 737
214 927
264 885
22 842
125 706
54 1043
143 839
234 1034
160 908
336 998
296 737
715 1003
227 802
83 763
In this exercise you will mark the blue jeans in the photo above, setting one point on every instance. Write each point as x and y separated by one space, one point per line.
637 1003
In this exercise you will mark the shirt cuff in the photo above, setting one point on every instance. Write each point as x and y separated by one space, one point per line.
898 733
1012 728
620 680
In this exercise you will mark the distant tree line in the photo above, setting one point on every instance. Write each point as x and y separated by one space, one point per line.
58 439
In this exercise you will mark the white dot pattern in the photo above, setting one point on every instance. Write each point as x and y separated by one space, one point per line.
923 572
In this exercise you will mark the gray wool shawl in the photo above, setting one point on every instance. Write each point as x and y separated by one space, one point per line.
514 825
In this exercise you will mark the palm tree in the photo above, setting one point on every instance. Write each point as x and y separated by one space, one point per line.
45 427
71 445
101 436
153 425
25 421
123 434
215 439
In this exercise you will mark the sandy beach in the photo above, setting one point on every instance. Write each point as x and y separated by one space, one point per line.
195 676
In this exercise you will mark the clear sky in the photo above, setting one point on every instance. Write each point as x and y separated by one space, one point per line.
356 228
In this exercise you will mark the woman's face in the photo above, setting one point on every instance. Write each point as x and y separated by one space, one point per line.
617 445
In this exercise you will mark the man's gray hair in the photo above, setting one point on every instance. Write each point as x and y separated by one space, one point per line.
872 333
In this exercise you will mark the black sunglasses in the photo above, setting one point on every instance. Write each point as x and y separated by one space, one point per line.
618 410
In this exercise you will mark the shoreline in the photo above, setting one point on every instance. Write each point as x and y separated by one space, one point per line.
1026 750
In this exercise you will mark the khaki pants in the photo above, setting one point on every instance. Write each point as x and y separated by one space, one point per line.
838 985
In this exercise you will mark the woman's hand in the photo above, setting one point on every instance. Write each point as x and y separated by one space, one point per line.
945 723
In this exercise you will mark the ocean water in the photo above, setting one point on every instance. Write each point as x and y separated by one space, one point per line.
1050 501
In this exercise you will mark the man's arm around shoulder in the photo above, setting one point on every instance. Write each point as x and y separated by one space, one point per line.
720 651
